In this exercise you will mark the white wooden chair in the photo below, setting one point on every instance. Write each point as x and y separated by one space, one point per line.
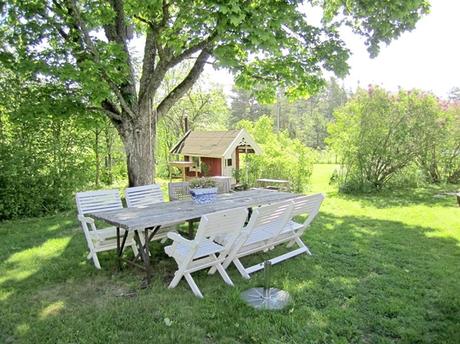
292 233
203 252
105 239
265 224
145 196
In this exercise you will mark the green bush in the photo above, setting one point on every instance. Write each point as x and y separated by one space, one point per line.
50 147
40 167
381 137
282 157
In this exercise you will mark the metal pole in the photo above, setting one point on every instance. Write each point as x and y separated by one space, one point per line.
266 297
267 266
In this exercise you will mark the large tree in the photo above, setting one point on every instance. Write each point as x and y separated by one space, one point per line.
85 45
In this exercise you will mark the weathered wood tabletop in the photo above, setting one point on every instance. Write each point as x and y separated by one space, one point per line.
163 214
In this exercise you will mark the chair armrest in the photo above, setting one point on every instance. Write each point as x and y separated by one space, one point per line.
86 219
177 237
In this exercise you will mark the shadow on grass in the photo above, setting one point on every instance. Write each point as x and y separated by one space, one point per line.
375 280
368 281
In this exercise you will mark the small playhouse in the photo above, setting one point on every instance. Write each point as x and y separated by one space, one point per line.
213 153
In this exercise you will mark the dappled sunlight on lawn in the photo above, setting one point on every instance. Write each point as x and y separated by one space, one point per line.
23 264
384 268
59 226
4 295
22 329
51 310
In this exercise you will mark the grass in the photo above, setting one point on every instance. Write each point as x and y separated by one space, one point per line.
385 269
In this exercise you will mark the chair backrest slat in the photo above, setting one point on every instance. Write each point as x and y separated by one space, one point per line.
95 201
228 223
276 215
179 191
143 196
307 205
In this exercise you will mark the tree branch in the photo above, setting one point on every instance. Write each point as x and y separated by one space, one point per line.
108 109
185 85
145 21
86 39
148 64
117 32
193 49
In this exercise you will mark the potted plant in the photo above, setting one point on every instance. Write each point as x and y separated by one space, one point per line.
203 190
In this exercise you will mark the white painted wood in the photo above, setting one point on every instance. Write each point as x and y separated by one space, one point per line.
105 239
243 135
265 224
148 196
227 170
276 260
143 196
268 236
203 252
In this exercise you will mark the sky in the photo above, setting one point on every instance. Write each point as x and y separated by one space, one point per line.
426 58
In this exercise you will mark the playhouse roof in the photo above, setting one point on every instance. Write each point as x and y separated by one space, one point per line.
215 144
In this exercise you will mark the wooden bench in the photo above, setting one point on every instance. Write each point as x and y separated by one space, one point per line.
275 184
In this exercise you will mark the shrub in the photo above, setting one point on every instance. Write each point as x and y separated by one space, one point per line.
379 135
282 157
202 183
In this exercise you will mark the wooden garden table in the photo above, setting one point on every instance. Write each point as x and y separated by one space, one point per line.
149 219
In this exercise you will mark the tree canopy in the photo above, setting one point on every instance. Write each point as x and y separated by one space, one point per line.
86 47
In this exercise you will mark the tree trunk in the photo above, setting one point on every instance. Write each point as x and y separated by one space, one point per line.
138 135
108 159
97 156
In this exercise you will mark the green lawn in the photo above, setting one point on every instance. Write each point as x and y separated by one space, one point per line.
386 268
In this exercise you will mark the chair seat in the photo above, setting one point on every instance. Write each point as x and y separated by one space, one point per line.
105 233
291 226
205 248
258 236
261 234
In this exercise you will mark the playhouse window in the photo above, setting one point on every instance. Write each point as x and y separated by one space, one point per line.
229 162
196 164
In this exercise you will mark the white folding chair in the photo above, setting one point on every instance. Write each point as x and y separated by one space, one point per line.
293 231
203 252
145 196
265 224
105 239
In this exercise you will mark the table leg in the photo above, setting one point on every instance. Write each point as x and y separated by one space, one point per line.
190 229
118 248
143 251
147 253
